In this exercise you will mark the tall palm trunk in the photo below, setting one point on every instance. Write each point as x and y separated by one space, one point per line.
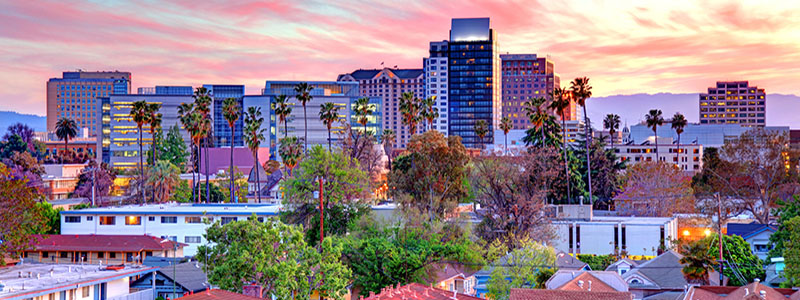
588 158
655 131
329 138
208 191
231 167
566 161
66 149
505 141
141 166
679 152
258 181
305 120
285 128
196 163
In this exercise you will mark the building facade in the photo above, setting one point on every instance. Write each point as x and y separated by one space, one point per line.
118 142
526 76
436 83
221 129
103 249
341 94
388 85
77 281
688 157
75 94
708 135
733 102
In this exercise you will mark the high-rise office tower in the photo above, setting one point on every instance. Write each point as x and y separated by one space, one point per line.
74 96
526 76
473 79
733 102
388 85
436 81
221 129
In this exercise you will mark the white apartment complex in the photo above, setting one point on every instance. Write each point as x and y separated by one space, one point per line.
688 157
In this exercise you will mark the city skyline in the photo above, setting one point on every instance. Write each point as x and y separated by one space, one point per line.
672 47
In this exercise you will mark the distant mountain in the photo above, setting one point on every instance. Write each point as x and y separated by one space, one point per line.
7 118
782 110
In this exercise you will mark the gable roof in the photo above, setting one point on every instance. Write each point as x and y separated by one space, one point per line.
753 290
188 275
416 291
217 294
595 281
663 273
748 230
565 261
447 271
536 294
267 181
615 266
92 242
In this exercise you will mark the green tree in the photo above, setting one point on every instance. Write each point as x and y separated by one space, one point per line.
653 119
536 110
481 130
521 268
328 114
275 256
363 109
231 111
188 118
429 111
304 96
547 135
785 211
678 124
429 179
410 107
388 139
611 122
162 178
741 265
183 193
282 109
139 113
154 119
598 262
202 118
791 253
66 129
697 260
253 135
582 91
19 213
655 189
561 102
172 148
291 152
505 126
240 185
52 217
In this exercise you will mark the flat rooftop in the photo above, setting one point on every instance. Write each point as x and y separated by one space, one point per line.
21 281
239 209
617 220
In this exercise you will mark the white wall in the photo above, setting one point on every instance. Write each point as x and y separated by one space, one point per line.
118 287
598 237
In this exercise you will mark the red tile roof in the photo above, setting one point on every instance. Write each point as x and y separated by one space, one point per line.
417 291
216 294
536 294
582 283
91 242
753 290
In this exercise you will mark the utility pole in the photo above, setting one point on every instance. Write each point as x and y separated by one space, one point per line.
94 172
719 225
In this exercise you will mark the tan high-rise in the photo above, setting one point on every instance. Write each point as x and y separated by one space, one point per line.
74 96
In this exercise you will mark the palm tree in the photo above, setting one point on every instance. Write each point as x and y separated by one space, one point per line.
304 96
611 122
582 91
186 115
696 262
363 110
561 101
536 110
409 108
653 120
505 125
429 111
231 111
678 123
282 110
328 114
66 129
140 114
388 141
155 124
202 105
253 135
481 129
290 151
163 177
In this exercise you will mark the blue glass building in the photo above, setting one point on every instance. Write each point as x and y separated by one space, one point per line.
222 131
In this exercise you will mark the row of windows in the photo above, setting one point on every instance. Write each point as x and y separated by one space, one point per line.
734 109
751 115
84 87
703 103
137 220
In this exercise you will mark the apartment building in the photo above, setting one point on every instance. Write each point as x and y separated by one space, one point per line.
527 76
733 102
389 84
688 157
74 96
75 281
99 249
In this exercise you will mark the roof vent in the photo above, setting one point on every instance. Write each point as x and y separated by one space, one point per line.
580 283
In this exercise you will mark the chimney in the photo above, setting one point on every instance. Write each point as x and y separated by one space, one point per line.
580 284
746 291
590 285
763 294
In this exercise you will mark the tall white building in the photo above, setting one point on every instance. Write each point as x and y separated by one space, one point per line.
436 83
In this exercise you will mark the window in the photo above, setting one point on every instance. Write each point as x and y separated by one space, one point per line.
108 220
89 218
45 254
64 254
112 255
193 220
133 220
169 220
72 219
191 239
85 292
151 219
226 220
101 254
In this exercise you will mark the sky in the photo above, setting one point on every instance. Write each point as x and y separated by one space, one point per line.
624 47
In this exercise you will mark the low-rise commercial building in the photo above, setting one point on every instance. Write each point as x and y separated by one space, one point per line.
178 222
48 281
61 179
688 157
102 249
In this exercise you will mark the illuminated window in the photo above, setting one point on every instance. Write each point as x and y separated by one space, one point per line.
133 220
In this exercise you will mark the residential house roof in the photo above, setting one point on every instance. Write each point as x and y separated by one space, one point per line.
537 294
595 281
615 266
754 290
661 273
447 271
748 230
217 294
189 275
565 261
102 243
268 181
416 291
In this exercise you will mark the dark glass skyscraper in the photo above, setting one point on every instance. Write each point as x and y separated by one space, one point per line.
222 132
473 75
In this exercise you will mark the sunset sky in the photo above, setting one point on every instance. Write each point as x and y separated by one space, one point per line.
625 47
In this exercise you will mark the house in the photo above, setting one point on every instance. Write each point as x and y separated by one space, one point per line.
774 272
268 184
178 222
591 281
216 294
537 294
622 266
565 261
61 281
757 235
752 291
188 277
416 291
98 249
454 278
660 275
